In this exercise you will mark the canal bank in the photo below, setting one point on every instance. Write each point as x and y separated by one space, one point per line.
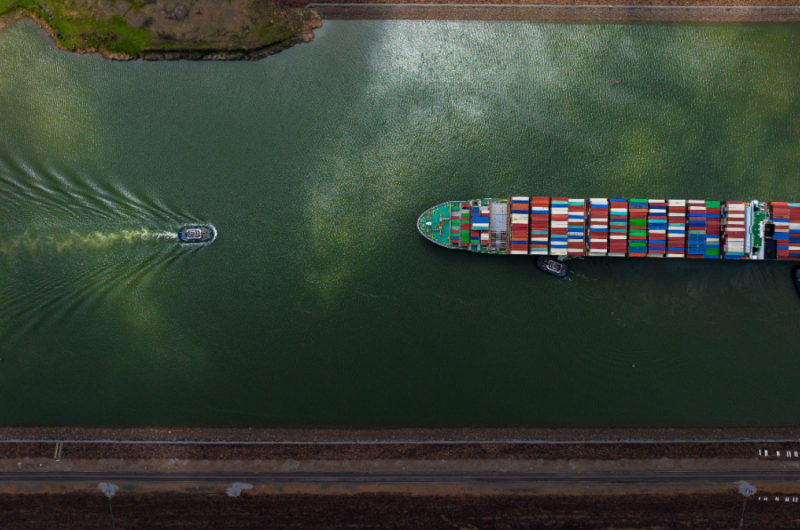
563 11
203 30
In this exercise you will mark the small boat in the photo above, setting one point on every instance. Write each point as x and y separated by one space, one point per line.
197 234
796 278
553 267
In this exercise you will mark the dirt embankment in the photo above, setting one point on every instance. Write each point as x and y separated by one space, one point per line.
390 511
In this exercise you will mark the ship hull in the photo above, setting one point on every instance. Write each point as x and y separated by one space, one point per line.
654 228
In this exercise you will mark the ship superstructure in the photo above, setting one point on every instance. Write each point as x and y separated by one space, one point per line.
654 228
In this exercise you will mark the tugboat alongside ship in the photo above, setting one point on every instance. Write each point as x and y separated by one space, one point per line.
552 267
796 278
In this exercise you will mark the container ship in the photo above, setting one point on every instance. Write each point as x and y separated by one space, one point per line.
652 228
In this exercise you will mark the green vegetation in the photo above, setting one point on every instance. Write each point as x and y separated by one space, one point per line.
76 30
137 28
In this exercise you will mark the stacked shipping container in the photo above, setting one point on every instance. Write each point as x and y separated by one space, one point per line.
540 219
476 224
676 229
480 224
734 230
618 227
464 239
455 224
779 212
656 228
637 232
712 229
576 227
559 225
598 227
520 207
794 230
696 236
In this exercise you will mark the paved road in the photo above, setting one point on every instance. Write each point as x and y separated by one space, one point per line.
621 477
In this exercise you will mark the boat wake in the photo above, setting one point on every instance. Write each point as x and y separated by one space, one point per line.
37 241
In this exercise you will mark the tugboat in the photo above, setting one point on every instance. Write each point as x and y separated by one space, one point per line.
197 234
796 278
553 267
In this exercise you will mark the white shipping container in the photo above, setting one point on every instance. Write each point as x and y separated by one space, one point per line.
519 219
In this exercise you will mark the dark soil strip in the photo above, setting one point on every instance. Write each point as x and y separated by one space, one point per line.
310 435
389 511
27 450
76 450
556 14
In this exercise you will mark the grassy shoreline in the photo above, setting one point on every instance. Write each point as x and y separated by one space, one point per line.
167 29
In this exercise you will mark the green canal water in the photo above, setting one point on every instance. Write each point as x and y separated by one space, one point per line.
320 304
